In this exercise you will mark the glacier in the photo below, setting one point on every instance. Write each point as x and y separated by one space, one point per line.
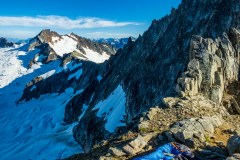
32 129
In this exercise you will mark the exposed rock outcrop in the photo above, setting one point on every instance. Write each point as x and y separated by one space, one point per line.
187 130
213 65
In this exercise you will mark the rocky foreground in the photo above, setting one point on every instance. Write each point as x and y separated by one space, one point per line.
207 124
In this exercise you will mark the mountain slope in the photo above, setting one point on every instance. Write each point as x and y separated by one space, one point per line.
148 69
37 81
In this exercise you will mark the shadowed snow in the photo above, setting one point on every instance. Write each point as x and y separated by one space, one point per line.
33 129
113 109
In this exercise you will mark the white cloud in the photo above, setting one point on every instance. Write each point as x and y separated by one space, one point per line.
108 35
61 22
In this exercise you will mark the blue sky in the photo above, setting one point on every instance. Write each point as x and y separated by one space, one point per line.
88 18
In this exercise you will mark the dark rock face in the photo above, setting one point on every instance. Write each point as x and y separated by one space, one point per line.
148 68
95 46
4 43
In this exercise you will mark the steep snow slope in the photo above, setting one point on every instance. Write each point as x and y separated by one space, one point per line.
95 57
64 45
113 109
33 129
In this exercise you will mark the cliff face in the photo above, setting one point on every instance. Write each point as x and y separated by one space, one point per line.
193 50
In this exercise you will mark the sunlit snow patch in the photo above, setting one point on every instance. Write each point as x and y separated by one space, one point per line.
64 45
113 109
48 74
95 56
11 67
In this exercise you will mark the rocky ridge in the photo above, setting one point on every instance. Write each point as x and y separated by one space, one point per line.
76 69
189 77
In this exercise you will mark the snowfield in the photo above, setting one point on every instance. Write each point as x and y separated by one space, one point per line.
64 45
33 129
113 109
68 44
95 56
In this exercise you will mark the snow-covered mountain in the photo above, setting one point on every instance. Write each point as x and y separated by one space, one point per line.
56 46
115 42
194 51
34 129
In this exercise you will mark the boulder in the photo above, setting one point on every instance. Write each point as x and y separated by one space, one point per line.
137 144
185 131
169 101
152 113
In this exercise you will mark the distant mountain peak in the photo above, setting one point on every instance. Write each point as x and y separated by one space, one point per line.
115 42
54 46
4 43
